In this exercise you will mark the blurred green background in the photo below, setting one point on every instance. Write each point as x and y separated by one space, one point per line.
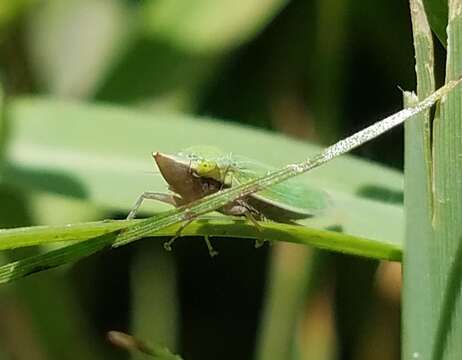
313 70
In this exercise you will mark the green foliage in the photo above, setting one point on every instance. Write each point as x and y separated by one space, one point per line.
207 25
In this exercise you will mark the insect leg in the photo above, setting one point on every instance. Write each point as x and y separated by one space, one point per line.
260 241
223 180
212 251
240 208
168 244
166 198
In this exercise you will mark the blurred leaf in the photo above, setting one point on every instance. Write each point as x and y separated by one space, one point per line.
437 13
329 74
72 43
181 46
9 10
205 26
171 77
2 128
291 274
131 343
352 308
154 294
14 211
59 321
54 147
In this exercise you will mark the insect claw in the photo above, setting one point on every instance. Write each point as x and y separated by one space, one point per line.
213 253
168 244
260 242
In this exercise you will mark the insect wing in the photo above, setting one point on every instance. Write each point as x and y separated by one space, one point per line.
205 152
291 195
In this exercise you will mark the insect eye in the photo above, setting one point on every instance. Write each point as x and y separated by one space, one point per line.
205 167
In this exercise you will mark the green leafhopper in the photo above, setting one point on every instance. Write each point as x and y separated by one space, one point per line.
200 171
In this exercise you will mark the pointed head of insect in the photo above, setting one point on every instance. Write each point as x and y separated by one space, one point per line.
177 172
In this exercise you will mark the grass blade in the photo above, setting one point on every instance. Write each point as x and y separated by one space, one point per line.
217 227
446 272
418 198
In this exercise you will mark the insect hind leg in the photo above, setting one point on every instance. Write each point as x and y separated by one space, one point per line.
242 208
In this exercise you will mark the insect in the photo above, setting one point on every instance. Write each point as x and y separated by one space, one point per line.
202 170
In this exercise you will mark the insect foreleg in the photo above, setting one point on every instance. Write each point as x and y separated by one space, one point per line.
165 198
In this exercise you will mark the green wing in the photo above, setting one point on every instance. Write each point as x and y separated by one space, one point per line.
205 152
292 195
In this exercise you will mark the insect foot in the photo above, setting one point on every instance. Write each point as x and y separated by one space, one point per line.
212 251
168 244
260 241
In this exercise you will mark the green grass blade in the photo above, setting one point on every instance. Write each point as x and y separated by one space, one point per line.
418 198
446 270
218 226
20 268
